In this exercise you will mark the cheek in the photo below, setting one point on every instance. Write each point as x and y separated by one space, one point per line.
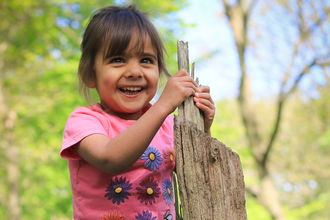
107 81
153 77
155 81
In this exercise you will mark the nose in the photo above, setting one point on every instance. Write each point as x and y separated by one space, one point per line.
133 70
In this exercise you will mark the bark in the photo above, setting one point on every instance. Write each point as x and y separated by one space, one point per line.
210 176
10 200
187 109
13 170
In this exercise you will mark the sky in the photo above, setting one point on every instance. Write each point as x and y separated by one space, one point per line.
221 73
211 33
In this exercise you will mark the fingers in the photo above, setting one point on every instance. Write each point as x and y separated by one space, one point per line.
203 96
206 104
203 92
186 88
182 75
177 89
204 89
204 101
181 72
184 83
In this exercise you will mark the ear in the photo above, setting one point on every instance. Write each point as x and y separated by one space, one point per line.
91 84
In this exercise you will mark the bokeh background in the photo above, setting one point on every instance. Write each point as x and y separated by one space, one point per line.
267 63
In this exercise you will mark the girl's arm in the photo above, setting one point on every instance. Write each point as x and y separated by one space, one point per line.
118 154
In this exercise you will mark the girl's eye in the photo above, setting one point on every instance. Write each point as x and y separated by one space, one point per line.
146 60
117 60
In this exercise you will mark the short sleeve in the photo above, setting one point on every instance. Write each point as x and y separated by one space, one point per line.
81 123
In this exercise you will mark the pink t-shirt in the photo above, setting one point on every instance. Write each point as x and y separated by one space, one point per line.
144 191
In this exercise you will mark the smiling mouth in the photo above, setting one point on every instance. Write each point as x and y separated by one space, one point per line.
131 90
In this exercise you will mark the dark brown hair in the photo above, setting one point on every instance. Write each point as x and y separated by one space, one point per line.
112 28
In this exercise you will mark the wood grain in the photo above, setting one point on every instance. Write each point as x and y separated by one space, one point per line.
209 174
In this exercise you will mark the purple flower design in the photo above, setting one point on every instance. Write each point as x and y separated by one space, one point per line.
117 190
145 216
168 190
148 190
152 158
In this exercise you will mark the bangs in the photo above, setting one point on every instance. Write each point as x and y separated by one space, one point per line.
127 27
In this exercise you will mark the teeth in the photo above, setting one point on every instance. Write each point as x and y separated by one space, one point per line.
131 88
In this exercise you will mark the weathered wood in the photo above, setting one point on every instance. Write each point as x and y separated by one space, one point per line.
188 109
183 62
209 174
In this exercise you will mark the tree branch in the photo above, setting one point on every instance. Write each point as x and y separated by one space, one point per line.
238 21
323 64
251 6
282 98
318 22
227 8
251 192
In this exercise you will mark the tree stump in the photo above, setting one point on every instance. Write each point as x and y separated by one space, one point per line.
209 174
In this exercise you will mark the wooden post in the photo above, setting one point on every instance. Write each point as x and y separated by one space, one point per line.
209 174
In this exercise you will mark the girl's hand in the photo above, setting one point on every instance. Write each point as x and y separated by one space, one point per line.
204 102
177 89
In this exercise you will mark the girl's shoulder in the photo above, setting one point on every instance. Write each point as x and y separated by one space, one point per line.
82 122
86 116
94 109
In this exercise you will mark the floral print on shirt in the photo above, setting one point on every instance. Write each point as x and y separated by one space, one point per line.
113 216
169 158
168 190
118 190
152 158
148 191
145 216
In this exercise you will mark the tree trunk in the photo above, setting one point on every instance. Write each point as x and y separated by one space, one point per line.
210 176
238 17
7 120
13 172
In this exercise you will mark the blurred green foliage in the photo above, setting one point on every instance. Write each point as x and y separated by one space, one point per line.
39 43
39 55
300 160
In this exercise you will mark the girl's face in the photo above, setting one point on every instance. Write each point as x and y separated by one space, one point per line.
126 83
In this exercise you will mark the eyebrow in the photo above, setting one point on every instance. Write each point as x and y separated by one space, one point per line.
149 55
140 54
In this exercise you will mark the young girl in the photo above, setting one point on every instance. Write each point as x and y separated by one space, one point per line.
121 151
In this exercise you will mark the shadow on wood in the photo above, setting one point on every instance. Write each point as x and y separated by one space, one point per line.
209 174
